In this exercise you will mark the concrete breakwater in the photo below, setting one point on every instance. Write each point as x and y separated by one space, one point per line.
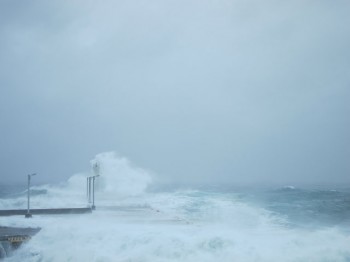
12 237
46 211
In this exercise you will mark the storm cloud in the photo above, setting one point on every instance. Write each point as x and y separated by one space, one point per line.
226 91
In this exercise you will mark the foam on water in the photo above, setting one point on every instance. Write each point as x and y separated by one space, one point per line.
239 233
184 225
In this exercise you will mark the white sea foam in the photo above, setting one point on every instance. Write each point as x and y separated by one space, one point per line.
133 225
143 234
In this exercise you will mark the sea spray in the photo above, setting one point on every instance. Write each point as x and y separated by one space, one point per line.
246 234
131 224
119 177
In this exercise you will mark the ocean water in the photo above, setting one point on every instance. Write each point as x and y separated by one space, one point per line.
137 221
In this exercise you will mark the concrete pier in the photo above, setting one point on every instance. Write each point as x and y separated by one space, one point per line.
12 237
46 211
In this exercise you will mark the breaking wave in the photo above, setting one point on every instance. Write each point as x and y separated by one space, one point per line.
132 224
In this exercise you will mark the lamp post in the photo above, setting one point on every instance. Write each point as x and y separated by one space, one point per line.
88 190
93 192
96 171
28 215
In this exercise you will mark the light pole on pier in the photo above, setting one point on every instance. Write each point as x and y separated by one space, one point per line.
90 184
93 192
90 188
28 215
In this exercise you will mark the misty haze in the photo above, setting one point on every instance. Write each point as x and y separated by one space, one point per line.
211 130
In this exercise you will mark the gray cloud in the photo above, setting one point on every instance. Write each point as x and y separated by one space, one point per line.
197 91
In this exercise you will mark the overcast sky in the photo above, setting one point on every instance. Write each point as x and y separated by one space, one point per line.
214 91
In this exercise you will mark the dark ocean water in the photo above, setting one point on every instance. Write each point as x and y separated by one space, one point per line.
306 207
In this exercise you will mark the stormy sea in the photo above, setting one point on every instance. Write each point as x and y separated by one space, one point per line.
137 220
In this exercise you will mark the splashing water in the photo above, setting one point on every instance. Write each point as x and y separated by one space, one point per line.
119 177
131 224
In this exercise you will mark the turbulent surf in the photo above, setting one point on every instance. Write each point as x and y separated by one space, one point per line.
133 222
